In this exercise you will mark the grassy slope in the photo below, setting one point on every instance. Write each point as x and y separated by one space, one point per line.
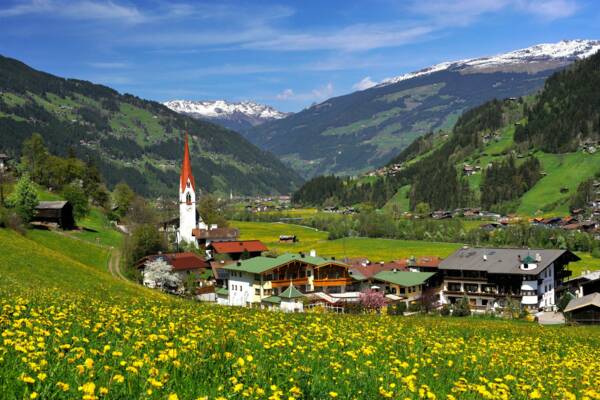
564 171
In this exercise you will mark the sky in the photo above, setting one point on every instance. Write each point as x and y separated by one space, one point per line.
285 54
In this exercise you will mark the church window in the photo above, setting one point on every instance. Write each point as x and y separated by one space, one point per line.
188 199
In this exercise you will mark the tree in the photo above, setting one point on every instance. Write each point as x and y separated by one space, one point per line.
159 274
422 208
24 199
122 197
209 211
372 300
34 157
462 308
144 240
78 199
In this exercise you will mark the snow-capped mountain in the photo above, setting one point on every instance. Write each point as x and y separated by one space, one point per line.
531 59
236 116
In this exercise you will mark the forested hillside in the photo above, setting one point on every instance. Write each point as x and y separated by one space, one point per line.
129 139
530 155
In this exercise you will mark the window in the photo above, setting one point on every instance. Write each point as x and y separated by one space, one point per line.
471 288
188 199
257 292
402 290
454 287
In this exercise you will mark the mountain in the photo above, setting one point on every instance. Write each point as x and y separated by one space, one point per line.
532 155
363 130
130 139
236 116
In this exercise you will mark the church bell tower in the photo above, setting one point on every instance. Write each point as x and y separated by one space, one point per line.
187 199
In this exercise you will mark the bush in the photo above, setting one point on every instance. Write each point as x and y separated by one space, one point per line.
445 310
414 307
596 252
10 220
462 308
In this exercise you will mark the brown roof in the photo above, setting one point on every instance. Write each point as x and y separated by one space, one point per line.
374 268
238 246
217 233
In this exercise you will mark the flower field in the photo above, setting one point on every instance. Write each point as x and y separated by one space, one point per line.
72 331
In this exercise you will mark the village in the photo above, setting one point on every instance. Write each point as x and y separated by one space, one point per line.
232 272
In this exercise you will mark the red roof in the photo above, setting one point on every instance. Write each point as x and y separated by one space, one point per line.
179 261
186 168
251 246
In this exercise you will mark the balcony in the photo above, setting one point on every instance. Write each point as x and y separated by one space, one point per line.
286 282
332 282
529 300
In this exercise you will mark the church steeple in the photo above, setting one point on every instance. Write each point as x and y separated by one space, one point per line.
186 169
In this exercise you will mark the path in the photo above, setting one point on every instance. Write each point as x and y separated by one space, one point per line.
114 264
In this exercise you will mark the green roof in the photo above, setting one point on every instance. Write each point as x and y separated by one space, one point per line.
222 291
528 260
357 276
207 274
404 278
272 299
291 293
258 265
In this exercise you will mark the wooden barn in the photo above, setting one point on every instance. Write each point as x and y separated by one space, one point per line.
55 212
584 310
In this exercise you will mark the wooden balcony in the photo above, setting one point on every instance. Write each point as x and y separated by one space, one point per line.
286 282
333 282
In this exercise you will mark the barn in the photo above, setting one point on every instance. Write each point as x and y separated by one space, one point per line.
55 212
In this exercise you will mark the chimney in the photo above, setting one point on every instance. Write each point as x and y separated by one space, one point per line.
239 263
485 257
313 253
333 258
538 257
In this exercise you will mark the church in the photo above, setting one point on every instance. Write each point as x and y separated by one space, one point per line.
192 229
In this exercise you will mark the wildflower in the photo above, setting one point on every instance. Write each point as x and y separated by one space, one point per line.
119 378
63 386
333 394
173 396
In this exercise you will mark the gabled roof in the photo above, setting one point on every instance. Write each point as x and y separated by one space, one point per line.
186 168
503 261
291 293
238 246
51 205
258 265
404 278
592 299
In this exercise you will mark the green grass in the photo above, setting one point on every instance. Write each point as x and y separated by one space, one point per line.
78 250
96 228
563 170
587 263
312 239
400 200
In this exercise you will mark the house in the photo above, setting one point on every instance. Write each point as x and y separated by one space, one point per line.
59 213
204 237
407 286
468 170
288 239
584 310
586 283
184 264
488 276
234 250
252 280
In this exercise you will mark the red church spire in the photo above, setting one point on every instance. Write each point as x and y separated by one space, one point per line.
186 168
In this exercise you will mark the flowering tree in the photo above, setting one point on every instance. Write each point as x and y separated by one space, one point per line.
372 299
158 273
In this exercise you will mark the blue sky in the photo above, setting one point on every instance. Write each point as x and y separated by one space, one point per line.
286 54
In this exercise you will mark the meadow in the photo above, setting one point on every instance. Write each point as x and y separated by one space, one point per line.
71 331
372 248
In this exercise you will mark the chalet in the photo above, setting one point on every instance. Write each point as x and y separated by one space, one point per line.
441 214
488 276
468 170
234 250
584 310
397 285
204 237
59 213
252 280
288 239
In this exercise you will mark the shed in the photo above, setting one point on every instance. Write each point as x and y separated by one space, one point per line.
585 310
55 212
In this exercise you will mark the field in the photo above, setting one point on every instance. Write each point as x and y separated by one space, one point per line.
312 239
70 330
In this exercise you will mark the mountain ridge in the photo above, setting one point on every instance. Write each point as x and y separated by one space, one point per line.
362 130
238 116
130 139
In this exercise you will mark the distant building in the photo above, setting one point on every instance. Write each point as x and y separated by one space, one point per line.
234 250
59 213
487 276
204 237
584 310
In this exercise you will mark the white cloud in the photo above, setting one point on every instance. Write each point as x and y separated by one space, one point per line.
82 10
364 83
286 94
317 94
550 9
